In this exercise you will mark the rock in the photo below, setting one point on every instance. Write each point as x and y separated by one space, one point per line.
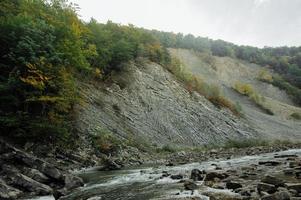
286 156
72 182
190 185
210 176
277 196
8 192
288 171
36 175
273 180
60 193
51 172
110 164
293 186
269 163
197 175
165 174
28 184
233 185
177 176
264 187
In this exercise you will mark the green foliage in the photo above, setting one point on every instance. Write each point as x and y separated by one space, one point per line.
245 143
105 141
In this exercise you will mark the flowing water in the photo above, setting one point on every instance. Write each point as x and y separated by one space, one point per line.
148 183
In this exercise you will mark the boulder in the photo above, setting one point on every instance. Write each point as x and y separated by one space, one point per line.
269 163
197 175
8 192
272 180
190 185
36 175
72 182
233 185
28 184
264 187
51 172
293 186
210 176
277 196
176 176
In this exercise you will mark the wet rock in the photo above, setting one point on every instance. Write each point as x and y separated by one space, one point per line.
176 176
72 182
233 185
190 185
8 192
60 193
110 164
273 180
269 163
288 171
210 176
264 187
277 196
165 174
286 156
293 186
28 184
197 175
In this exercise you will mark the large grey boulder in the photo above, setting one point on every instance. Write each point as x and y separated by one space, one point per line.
8 192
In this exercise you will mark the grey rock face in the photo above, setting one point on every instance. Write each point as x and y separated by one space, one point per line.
147 103
8 192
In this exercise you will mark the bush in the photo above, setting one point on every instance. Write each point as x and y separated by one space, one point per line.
265 76
105 141
245 143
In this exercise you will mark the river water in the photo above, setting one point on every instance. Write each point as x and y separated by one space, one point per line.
147 182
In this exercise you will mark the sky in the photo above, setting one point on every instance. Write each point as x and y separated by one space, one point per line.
244 22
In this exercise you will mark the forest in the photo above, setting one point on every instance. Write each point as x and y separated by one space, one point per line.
46 49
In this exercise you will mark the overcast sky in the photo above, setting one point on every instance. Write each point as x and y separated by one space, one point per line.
248 22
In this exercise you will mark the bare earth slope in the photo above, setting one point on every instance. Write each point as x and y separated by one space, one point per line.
225 72
147 102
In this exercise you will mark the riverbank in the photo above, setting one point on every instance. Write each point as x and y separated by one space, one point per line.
25 174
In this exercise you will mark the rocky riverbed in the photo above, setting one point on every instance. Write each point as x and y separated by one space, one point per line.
263 174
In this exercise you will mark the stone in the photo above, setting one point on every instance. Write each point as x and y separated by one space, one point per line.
273 180
51 172
60 193
277 196
36 175
28 184
288 171
264 187
8 192
293 186
190 185
269 163
176 176
72 182
197 175
212 175
233 185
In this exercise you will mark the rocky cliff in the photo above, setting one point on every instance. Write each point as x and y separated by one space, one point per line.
147 103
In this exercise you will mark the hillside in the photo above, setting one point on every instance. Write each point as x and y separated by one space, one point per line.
226 72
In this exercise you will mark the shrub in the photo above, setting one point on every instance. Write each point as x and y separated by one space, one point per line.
245 143
265 76
105 141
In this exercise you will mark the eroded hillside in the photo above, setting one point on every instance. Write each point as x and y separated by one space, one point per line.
226 72
147 103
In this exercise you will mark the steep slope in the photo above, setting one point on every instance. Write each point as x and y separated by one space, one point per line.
147 103
225 72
